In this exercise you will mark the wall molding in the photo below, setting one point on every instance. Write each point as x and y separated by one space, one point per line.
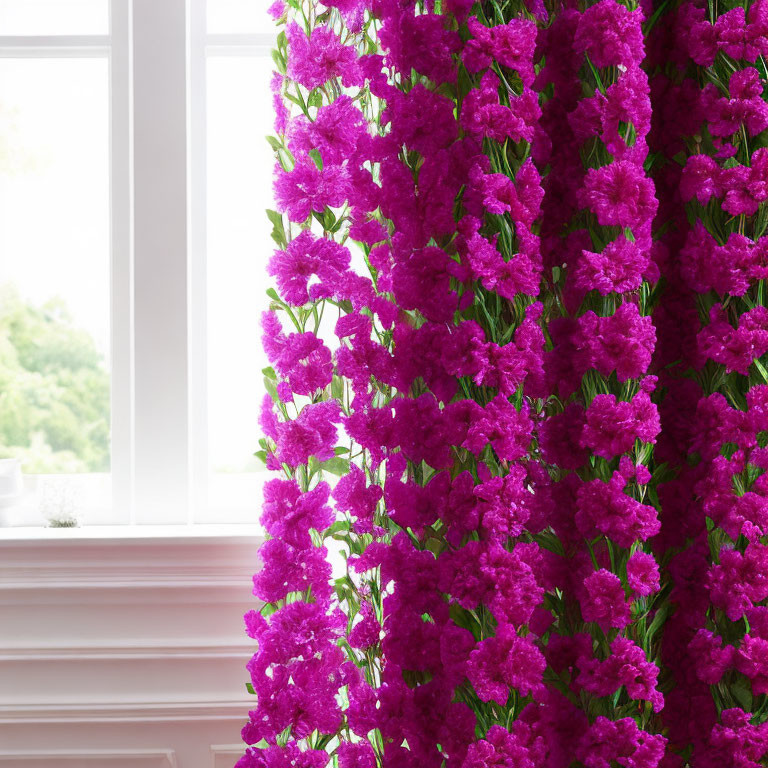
226 755
120 758
162 562
135 712
127 651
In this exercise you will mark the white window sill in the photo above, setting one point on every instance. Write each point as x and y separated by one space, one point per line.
107 532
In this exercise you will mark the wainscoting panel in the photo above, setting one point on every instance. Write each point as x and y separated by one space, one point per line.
124 652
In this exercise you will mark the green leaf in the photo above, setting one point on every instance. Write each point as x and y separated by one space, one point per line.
648 26
761 368
280 64
339 525
337 388
315 98
249 688
316 158
336 466
658 619
596 75
742 694
278 231
269 385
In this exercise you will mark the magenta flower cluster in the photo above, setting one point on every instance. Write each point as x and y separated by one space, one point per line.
516 397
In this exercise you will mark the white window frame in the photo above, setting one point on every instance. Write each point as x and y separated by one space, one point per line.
156 50
202 45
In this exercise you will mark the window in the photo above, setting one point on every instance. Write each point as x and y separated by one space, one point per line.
235 57
56 179
134 175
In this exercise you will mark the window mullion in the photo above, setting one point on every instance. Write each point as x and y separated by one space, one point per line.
160 261
198 315
121 265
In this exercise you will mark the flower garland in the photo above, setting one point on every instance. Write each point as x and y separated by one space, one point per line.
506 470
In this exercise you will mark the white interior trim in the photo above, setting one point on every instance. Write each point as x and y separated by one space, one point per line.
121 757
138 712
121 261
160 261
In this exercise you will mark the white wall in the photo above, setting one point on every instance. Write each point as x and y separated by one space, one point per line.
124 652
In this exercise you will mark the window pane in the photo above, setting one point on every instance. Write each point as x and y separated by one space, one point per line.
54 265
239 16
54 17
239 245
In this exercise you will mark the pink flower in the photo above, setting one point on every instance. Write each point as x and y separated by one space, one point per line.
506 429
642 573
605 508
746 187
626 666
352 11
353 495
311 434
560 438
423 431
482 115
734 348
287 569
757 26
610 35
619 194
623 342
735 741
305 257
422 43
498 748
488 574
336 132
314 60
612 426
301 358
422 280
732 37
739 581
744 108
618 268
710 657
603 601
696 35
627 101
622 741
290 756
506 661
511 45
700 179
356 755
752 662
307 188
289 514
421 119
728 268
278 105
